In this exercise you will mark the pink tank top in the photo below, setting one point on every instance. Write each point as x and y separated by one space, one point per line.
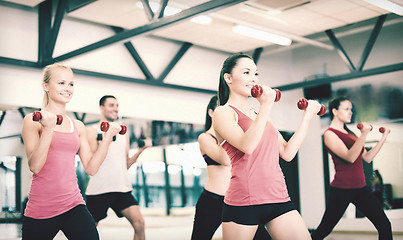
54 190
256 178
348 175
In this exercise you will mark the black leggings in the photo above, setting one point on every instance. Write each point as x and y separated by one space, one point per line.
208 218
76 224
362 198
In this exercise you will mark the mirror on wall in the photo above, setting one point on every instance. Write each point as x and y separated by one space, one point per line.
170 174
380 104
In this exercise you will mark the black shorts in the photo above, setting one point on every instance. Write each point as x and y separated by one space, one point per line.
77 223
255 214
98 204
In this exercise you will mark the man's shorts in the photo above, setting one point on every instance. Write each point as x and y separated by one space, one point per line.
98 205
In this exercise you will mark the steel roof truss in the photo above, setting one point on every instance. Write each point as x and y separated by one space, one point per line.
371 41
152 26
47 31
147 9
140 63
175 60
340 50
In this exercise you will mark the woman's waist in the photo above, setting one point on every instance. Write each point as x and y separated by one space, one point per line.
217 187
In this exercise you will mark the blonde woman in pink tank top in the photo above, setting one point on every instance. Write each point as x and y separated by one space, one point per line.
55 202
257 193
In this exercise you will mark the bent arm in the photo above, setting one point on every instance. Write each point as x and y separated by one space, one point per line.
227 128
208 146
337 146
92 160
134 158
92 135
370 155
36 146
288 150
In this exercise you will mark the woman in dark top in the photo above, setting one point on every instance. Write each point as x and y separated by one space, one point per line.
347 151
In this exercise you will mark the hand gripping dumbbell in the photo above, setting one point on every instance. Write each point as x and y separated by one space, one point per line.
140 142
302 104
257 91
36 116
382 129
360 126
105 127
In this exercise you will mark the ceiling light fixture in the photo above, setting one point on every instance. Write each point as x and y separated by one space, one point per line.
391 6
269 37
202 20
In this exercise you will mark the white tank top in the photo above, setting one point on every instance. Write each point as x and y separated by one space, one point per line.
112 175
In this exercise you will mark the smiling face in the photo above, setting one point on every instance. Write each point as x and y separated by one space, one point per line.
243 77
110 109
344 112
59 85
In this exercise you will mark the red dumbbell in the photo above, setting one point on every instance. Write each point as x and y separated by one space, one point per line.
257 91
382 129
36 116
360 126
302 104
105 127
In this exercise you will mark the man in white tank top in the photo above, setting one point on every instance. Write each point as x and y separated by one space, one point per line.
110 187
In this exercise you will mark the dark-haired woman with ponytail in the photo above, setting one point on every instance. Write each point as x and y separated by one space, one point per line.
209 206
257 193
348 186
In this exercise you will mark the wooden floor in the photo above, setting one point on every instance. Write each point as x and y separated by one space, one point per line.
159 227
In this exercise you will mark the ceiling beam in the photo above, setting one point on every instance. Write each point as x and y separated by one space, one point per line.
60 12
185 46
136 56
3 114
77 4
20 63
147 9
256 54
340 50
49 31
340 32
22 112
349 76
77 115
163 5
44 27
292 86
143 82
371 42
203 8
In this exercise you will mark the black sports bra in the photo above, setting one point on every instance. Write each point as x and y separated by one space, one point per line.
208 159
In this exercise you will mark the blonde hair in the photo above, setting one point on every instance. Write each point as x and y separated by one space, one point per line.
47 75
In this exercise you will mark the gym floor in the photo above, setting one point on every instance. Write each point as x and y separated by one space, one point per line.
178 226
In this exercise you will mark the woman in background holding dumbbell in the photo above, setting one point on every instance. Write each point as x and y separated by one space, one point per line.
55 202
347 151
257 193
